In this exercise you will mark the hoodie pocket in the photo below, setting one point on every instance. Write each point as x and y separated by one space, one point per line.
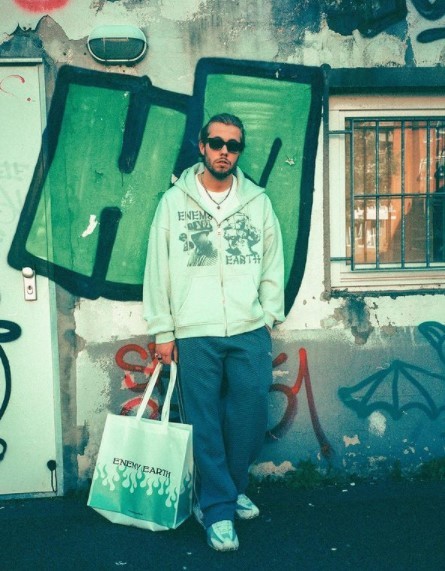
203 303
242 299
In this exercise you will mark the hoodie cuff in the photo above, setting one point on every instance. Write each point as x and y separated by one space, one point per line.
269 320
164 337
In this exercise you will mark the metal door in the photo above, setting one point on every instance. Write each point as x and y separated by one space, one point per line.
29 399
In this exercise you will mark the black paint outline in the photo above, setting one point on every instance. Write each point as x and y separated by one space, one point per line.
13 332
430 11
7 368
142 95
313 76
400 371
380 16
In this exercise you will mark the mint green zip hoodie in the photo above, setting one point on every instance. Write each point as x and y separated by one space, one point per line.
208 279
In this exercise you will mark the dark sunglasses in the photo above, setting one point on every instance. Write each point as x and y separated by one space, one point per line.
216 144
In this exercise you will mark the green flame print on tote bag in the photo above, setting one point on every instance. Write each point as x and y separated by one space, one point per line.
144 469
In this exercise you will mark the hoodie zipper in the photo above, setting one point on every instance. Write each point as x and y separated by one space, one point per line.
219 236
221 273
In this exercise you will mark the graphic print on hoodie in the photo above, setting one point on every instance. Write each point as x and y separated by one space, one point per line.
239 234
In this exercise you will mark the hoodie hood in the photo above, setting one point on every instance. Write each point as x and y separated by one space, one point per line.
208 277
246 190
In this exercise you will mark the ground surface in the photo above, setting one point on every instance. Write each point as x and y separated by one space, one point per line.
378 526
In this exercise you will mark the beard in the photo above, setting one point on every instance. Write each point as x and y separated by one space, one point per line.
219 174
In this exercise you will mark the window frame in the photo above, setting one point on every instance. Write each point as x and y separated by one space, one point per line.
347 105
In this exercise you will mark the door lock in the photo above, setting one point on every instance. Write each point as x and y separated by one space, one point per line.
29 284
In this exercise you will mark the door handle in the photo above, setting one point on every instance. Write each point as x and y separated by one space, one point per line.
29 284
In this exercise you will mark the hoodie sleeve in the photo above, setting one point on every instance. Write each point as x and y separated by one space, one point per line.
156 289
271 291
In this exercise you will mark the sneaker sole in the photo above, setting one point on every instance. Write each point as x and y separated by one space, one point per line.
244 517
222 550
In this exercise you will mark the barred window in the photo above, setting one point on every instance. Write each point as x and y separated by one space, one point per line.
391 168
395 191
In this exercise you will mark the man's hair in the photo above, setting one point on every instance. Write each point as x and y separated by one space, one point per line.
226 119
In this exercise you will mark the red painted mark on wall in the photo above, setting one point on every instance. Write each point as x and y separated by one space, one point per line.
41 5
8 85
291 393
149 362
4 81
147 367
134 403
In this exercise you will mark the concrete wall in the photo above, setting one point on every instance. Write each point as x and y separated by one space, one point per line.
330 352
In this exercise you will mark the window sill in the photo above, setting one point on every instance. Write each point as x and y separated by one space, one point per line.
387 282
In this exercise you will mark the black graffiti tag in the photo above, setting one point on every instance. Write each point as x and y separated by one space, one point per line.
373 17
431 10
11 332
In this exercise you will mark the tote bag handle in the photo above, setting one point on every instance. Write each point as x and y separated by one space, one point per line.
149 390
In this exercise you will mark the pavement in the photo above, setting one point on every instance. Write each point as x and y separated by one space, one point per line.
382 525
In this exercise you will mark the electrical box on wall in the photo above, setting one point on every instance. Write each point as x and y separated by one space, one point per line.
115 44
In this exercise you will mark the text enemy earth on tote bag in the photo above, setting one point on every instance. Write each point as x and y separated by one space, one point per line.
144 469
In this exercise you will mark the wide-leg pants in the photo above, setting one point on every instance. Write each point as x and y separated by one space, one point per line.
224 384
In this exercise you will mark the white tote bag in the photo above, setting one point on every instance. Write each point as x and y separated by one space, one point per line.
144 469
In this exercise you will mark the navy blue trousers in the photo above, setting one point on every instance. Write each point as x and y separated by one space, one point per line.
224 384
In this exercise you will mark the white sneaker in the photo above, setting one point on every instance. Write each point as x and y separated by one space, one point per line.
222 536
245 508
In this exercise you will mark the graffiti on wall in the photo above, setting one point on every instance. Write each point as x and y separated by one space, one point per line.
9 331
102 197
430 11
372 17
124 359
11 86
138 363
290 411
402 386
369 17
280 105
112 144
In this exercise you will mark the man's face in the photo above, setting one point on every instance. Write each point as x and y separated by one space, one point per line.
220 163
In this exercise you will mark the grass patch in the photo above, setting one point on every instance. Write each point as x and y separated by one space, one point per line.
396 473
306 475
432 470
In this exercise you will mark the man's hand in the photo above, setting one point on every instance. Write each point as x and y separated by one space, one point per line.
165 352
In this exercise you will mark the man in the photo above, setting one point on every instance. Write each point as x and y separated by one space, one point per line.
215 311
